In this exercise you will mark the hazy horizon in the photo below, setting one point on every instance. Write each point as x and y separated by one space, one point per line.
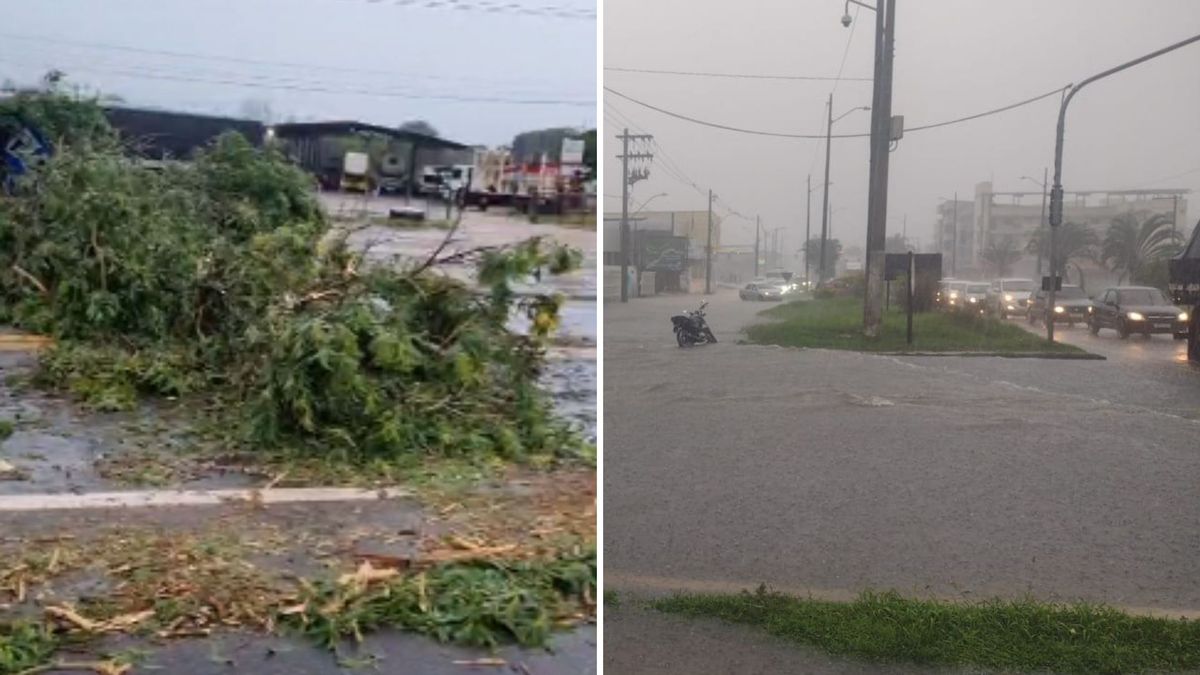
367 60
953 58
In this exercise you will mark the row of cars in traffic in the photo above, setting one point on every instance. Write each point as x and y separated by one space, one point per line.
1127 310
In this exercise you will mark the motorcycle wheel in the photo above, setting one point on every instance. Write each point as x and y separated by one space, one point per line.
681 338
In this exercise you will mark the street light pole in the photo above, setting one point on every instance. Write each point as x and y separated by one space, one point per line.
1056 193
1045 184
825 225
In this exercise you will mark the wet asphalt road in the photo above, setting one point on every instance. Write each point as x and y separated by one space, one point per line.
836 471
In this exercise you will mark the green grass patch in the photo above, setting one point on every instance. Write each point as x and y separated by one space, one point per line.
24 646
6 429
1007 635
836 323
612 599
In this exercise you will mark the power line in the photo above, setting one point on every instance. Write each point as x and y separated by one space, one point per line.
241 60
492 7
738 76
152 75
758 132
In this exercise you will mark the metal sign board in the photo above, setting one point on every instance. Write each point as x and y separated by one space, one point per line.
572 151
1046 283
663 253
895 265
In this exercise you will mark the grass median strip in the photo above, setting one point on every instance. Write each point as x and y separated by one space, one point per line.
837 324
1022 635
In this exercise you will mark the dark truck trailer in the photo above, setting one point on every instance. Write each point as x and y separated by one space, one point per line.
1184 285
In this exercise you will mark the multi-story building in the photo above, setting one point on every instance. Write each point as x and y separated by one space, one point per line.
1017 215
956 228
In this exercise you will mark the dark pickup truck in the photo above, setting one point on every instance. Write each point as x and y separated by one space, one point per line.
1184 286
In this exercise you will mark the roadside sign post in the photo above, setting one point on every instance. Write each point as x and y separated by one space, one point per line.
912 275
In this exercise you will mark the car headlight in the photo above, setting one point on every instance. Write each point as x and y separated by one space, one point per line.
1089 309
972 300
1135 316
1183 316
1058 309
953 295
1011 307
1008 297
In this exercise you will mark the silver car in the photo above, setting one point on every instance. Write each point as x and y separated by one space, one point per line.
1009 297
763 289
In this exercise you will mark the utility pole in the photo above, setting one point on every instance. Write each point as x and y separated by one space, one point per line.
954 263
1056 193
1174 217
708 249
807 229
756 227
881 135
825 198
1042 226
628 178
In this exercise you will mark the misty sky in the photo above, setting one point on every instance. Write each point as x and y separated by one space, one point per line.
1140 128
377 45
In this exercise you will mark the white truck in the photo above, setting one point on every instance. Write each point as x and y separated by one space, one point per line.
356 172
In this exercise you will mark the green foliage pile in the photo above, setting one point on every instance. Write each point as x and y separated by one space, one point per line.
222 277
476 604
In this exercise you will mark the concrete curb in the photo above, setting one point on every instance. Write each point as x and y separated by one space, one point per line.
1065 356
654 587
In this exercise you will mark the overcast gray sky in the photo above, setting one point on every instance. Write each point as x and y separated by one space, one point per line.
1140 128
337 46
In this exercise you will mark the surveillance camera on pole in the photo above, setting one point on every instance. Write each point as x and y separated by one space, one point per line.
846 20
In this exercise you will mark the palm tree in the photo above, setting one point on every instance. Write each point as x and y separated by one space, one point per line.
1073 241
1132 247
1001 253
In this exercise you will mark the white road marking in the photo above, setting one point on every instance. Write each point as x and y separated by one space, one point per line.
106 500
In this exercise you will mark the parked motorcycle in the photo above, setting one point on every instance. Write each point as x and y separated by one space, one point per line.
692 329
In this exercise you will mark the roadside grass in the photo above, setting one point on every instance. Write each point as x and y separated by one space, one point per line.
837 324
1025 636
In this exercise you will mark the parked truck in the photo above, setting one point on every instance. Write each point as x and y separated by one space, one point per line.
356 172
1184 285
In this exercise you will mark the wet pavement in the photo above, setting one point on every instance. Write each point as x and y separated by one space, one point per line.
834 472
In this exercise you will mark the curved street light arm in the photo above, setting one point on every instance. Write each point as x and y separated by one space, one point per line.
1056 192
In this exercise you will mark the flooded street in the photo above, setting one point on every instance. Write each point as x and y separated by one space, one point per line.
829 472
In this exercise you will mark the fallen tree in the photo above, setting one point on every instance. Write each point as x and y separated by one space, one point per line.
221 277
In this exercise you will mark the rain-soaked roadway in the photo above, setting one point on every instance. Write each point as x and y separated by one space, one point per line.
731 465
